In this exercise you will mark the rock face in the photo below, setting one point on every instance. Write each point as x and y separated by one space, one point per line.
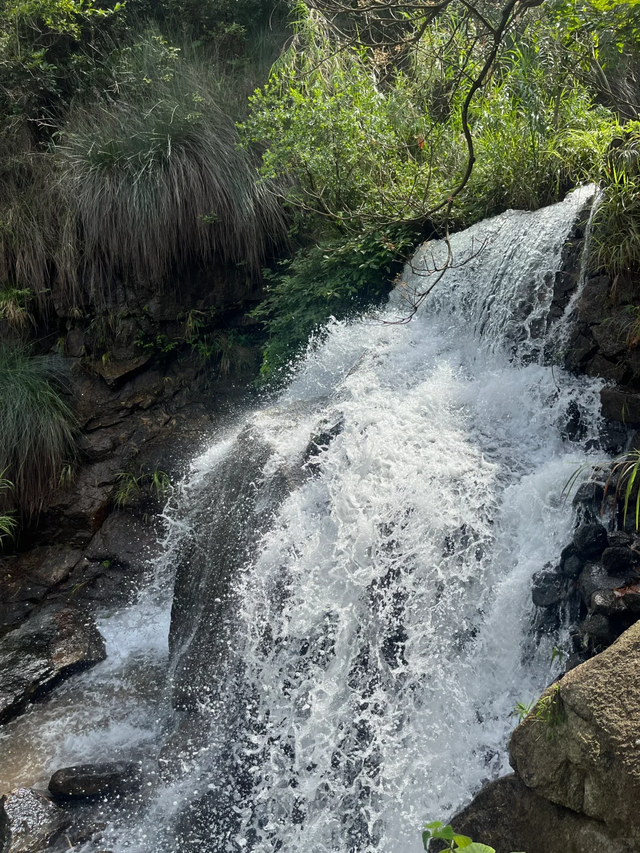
28 822
580 747
96 780
602 345
44 649
577 760
509 816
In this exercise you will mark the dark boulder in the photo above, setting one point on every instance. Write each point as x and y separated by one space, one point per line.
28 578
96 780
590 540
548 588
620 560
46 648
509 816
29 822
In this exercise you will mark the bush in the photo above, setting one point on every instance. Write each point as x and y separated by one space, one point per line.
37 428
330 280
616 224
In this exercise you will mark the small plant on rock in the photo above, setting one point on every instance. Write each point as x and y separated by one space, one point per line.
437 831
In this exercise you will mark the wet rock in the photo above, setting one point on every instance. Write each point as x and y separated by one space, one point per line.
96 780
509 816
595 578
85 505
612 371
582 348
620 560
25 580
590 540
29 822
611 336
620 404
598 627
581 749
49 646
125 539
593 303
548 588
113 372
571 563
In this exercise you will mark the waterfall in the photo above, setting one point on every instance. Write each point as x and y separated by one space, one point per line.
352 626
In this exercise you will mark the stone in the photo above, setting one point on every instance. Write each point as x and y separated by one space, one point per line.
548 588
26 579
509 816
581 349
619 560
96 780
580 747
125 539
612 371
114 371
29 822
49 646
571 566
611 336
595 578
620 404
590 540
593 304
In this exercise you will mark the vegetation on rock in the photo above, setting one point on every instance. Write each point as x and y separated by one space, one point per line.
37 428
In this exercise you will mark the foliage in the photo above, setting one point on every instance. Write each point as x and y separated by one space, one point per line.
364 147
621 478
437 831
8 523
40 58
334 279
131 485
617 221
37 428
14 308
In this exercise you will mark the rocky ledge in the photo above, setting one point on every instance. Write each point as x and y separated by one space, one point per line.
576 758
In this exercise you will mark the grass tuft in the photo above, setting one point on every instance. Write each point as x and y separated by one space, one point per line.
37 428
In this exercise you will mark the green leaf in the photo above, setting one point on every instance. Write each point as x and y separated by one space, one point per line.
475 847
462 840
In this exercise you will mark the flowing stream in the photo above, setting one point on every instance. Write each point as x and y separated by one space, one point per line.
353 623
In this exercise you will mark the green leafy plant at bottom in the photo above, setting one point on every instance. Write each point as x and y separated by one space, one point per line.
437 831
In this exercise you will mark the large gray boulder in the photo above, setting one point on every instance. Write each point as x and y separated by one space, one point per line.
580 746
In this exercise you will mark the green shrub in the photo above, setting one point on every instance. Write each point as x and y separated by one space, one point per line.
37 428
616 225
332 279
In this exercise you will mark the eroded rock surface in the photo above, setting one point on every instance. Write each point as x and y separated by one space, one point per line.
28 822
46 648
96 780
580 748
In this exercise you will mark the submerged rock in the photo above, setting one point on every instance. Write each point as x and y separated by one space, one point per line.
28 822
46 648
96 780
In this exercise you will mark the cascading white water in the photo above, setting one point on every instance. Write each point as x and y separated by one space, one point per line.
383 620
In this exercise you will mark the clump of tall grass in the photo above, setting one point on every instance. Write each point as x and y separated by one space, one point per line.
157 179
142 179
37 428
